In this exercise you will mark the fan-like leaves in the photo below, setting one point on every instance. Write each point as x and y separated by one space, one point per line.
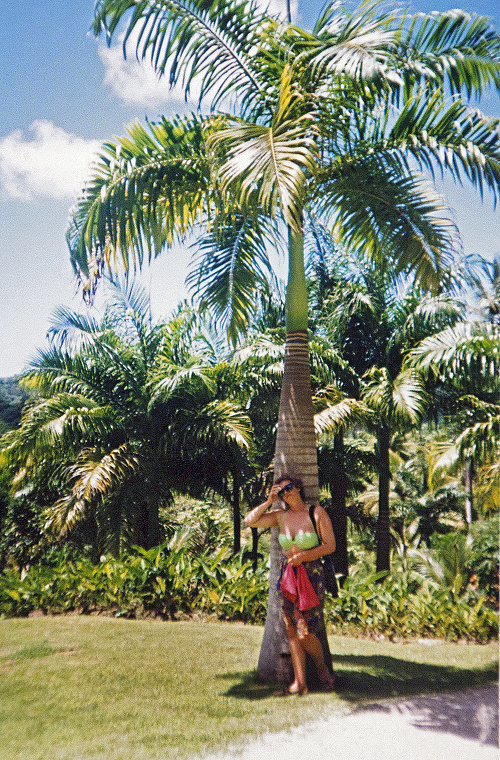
471 350
401 400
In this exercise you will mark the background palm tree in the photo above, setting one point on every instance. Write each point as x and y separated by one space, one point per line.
124 417
464 359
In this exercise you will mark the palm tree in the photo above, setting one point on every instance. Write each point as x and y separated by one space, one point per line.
124 417
464 359
372 326
314 131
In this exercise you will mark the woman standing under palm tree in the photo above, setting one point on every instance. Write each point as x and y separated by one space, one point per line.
302 579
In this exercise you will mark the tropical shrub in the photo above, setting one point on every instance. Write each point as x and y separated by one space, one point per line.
406 606
167 580
483 563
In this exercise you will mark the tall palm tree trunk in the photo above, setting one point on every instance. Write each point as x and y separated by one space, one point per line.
338 510
383 536
469 492
236 511
295 454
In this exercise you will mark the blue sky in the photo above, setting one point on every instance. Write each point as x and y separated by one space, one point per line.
63 93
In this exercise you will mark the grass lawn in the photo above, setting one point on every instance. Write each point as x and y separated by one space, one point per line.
92 688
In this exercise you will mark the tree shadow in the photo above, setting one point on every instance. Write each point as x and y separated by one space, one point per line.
470 714
248 685
367 678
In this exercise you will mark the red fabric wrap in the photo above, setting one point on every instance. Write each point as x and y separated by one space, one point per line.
297 587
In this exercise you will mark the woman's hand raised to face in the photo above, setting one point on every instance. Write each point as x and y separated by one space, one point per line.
273 493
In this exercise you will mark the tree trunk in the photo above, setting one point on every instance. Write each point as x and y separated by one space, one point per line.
295 455
469 492
236 512
383 535
338 511
153 517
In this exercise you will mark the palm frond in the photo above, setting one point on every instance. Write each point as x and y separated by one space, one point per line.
467 348
91 479
384 213
402 399
268 163
211 425
456 138
65 423
357 46
230 264
210 44
148 189
168 379
454 48
345 412
71 329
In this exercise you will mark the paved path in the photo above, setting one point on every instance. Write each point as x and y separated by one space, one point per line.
454 726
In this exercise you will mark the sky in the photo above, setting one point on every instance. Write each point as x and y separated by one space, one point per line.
63 93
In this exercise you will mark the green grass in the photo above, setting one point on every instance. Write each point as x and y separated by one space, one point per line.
109 689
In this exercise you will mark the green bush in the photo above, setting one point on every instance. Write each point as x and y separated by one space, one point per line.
167 580
406 605
172 580
482 567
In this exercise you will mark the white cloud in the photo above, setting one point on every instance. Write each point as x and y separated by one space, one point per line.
52 164
136 83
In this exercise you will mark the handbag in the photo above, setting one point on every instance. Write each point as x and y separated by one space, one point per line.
331 584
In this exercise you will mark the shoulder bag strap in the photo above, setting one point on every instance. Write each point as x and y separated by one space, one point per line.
311 517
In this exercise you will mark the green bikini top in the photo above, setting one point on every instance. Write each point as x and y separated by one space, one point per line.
303 540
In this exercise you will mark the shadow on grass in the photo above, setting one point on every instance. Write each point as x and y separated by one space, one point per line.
361 678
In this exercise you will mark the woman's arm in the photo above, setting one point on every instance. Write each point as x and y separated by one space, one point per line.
326 536
256 517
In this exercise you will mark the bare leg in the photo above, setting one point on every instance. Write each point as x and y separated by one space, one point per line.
312 645
298 653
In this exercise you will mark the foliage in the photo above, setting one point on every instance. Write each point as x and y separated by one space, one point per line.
178 579
403 606
167 581
483 562
126 411
12 400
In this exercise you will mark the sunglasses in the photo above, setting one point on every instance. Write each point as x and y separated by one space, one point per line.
285 489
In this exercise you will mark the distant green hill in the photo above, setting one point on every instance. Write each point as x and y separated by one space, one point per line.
12 399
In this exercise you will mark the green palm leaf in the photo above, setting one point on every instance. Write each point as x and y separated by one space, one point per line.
345 412
383 212
230 264
472 349
148 190
91 479
211 43
402 399
268 165
456 138
357 45
456 48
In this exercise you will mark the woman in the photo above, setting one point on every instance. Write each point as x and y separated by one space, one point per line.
302 546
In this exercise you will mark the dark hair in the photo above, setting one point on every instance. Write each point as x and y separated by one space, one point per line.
295 482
